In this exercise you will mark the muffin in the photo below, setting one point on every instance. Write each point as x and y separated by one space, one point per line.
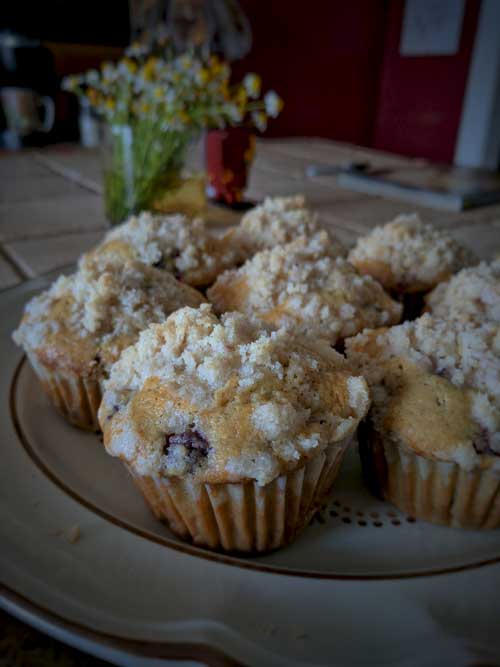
472 294
431 443
301 287
277 221
409 258
233 435
75 331
174 243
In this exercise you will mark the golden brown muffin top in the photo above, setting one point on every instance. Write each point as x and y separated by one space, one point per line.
408 256
86 319
175 243
222 401
472 294
302 287
435 387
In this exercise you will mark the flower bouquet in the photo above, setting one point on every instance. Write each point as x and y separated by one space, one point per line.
152 107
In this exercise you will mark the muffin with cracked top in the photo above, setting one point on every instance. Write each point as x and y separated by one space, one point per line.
234 435
409 258
174 243
431 444
302 287
73 332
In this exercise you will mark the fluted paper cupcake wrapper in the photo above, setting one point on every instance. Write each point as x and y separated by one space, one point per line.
437 491
76 398
244 517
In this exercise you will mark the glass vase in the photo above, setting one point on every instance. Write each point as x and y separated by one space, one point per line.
141 164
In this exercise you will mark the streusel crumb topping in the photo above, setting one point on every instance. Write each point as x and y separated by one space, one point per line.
407 255
472 294
301 286
97 313
279 220
175 243
224 401
436 382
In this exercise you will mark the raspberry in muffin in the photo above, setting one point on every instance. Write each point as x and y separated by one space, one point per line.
233 434
472 294
174 243
431 443
409 258
73 332
302 287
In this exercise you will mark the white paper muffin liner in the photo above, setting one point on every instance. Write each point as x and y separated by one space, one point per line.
436 491
76 398
244 517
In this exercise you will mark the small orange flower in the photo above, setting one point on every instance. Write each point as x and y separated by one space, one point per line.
249 154
227 176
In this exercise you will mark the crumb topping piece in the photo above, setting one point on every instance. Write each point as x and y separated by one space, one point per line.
89 317
302 287
406 255
278 220
435 387
223 401
472 294
175 243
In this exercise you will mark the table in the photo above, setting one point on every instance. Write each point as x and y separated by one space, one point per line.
51 211
51 208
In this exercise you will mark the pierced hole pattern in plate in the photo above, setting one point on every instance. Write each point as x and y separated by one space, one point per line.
338 511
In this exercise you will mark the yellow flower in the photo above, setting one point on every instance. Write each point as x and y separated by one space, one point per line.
158 93
149 69
260 120
184 117
202 76
70 83
110 104
216 66
130 65
241 97
145 107
214 61
252 83
185 61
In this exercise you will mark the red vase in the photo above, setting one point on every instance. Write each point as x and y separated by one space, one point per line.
229 154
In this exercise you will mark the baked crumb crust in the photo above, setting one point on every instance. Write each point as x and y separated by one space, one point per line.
84 321
174 243
472 294
224 401
302 287
406 255
435 387
277 221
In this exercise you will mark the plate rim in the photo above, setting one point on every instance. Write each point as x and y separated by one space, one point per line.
140 648
197 552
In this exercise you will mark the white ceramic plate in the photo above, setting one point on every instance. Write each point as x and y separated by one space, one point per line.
364 584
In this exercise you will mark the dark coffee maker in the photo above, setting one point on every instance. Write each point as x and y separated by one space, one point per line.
27 86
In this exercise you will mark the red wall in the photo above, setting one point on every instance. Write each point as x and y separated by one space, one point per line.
323 58
421 97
